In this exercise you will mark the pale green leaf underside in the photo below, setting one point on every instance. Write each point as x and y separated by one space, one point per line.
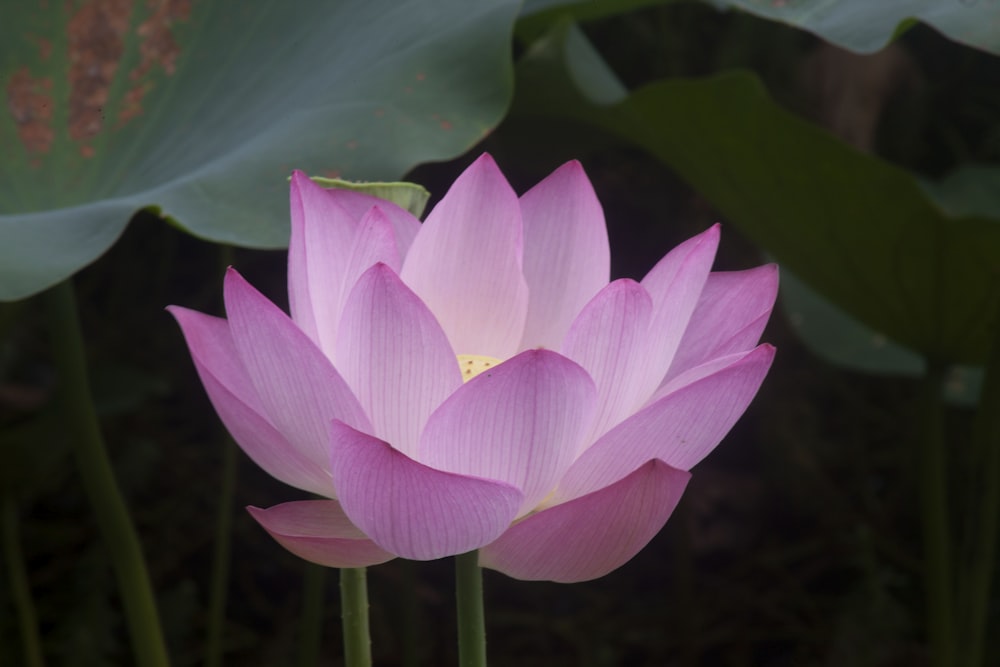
410 196
863 26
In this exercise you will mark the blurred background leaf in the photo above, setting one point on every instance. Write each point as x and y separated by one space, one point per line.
857 229
200 109
862 26
866 27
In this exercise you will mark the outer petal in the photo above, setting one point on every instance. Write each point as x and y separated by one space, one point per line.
320 532
322 234
235 400
466 263
520 423
730 316
609 339
680 428
589 537
413 510
300 391
566 256
395 356
675 284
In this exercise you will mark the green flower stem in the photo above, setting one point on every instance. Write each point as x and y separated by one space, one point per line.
311 624
978 580
20 588
354 617
99 480
937 535
221 557
471 615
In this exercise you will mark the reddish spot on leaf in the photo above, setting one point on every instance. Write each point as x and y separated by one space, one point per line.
446 125
30 103
44 48
86 150
352 144
157 48
132 105
421 76
158 45
379 113
96 43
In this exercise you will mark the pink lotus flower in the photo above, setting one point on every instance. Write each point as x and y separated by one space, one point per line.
569 449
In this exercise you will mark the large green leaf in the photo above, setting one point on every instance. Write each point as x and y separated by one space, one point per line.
200 109
858 230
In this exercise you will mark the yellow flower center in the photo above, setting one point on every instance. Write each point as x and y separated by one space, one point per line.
474 364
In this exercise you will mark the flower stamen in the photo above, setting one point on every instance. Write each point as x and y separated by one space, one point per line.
472 365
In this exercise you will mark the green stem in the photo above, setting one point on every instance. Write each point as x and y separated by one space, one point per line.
978 582
311 626
354 617
471 615
20 588
221 557
937 536
99 479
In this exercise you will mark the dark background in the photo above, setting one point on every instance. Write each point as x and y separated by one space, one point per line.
797 542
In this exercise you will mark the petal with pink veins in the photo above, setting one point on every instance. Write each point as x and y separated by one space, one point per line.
675 285
730 316
465 263
300 391
319 532
374 243
566 255
679 428
520 422
238 406
609 339
395 357
411 509
590 536
404 225
318 250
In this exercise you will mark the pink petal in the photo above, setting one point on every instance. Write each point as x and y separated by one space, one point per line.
320 532
520 423
590 536
404 225
466 263
374 243
300 391
609 339
413 510
566 256
395 356
320 245
679 428
675 284
235 400
730 316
